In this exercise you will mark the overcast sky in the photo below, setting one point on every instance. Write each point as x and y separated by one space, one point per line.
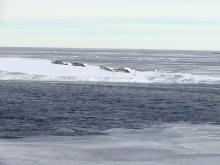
150 24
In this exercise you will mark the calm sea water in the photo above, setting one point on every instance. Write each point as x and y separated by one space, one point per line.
106 122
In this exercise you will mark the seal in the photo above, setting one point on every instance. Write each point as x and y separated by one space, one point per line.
58 62
78 64
124 70
106 68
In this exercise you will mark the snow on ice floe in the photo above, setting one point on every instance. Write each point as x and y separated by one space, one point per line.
47 70
166 144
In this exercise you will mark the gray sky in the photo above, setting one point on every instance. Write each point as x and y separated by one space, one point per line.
160 24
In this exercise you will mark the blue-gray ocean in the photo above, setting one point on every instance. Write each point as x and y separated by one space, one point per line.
175 121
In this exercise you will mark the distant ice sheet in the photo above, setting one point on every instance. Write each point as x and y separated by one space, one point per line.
44 70
166 144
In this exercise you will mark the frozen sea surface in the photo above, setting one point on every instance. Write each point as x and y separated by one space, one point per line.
176 144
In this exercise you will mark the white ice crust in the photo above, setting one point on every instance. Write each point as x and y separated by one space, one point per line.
44 70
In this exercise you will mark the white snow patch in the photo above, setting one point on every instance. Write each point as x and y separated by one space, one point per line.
44 70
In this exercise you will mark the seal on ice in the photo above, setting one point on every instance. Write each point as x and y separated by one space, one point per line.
58 62
78 64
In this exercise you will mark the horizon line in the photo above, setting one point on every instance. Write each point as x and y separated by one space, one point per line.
159 49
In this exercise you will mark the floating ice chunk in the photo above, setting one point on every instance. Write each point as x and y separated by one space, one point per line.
44 70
